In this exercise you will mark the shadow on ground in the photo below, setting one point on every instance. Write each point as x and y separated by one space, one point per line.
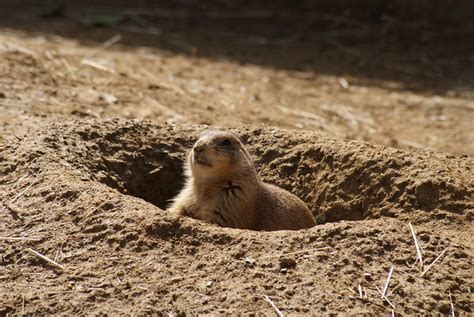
377 46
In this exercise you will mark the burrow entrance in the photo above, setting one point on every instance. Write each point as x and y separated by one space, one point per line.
337 180
152 175
133 158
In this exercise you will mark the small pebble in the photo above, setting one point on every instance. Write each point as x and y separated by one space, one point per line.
250 262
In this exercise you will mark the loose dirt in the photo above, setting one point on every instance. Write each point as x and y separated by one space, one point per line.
92 145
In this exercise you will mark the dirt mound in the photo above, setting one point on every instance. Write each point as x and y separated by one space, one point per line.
91 196
339 180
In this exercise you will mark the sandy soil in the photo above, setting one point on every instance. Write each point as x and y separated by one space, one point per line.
371 137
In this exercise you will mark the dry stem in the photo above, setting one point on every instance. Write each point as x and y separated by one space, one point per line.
418 249
21 193
20 238
387 281
434 262
279 313
384 297
451 303
98 66
53 263
301 113
114 39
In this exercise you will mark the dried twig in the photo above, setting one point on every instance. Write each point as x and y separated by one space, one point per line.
417 246
384 297
14 47
21 193
301 113
53 263
114 39
434 262
20 238
278 312
413 144
387 281
343 82
98 66
347 114
451 303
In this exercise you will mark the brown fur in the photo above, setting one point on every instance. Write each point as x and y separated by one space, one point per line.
222 187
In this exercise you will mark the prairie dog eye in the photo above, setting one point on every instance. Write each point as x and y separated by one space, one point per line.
225 142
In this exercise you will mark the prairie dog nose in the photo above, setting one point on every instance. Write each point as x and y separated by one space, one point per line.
199 147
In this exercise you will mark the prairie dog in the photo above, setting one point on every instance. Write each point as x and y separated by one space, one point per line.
222 187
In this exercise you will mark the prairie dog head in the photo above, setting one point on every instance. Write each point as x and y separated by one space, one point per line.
218 154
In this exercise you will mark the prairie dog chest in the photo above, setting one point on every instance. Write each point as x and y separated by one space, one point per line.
225 205
226 196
